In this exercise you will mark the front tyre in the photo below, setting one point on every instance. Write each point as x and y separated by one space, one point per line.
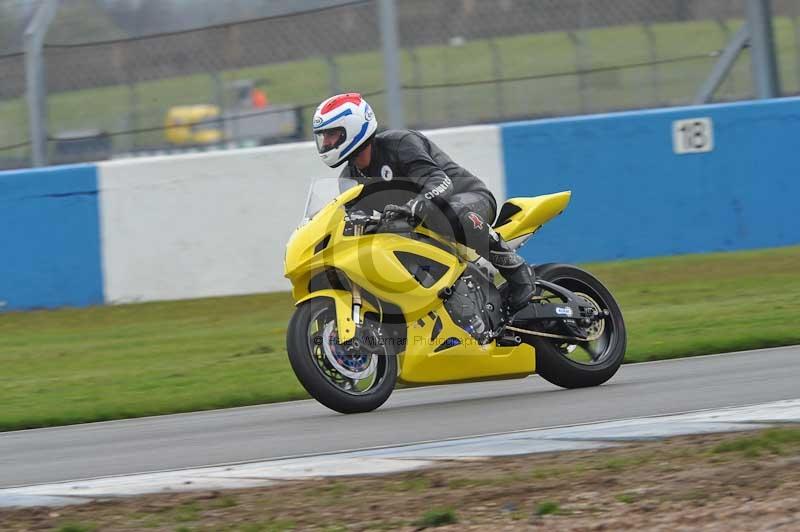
343 377
572 364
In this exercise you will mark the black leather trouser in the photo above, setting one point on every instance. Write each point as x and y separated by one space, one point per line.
467 218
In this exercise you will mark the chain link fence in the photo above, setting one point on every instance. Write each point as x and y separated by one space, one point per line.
463 62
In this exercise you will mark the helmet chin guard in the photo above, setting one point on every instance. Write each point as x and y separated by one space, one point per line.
342 124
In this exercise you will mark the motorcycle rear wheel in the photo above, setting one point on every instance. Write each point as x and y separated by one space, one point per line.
555 360
339 376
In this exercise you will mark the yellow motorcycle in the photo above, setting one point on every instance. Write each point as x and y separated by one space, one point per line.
380 302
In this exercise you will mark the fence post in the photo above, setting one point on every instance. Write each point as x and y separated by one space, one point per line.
582 59
726 35
497 72
762 54
334 86
794 16
223 121
133 114
391 63
35 79
655 72
416 77
577 42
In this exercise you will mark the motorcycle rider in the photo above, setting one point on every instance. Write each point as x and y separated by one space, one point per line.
448 199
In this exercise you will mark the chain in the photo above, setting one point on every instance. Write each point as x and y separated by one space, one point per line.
551 335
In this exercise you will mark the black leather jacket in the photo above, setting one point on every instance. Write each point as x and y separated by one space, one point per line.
410 155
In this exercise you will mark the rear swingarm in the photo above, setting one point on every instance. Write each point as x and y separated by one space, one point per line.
574 308
575 313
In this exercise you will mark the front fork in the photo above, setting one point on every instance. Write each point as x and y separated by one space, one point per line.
358 230
348 305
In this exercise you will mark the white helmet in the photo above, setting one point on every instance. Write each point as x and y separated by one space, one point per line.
342 124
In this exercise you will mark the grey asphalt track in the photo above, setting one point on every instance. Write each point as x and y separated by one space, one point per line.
422 414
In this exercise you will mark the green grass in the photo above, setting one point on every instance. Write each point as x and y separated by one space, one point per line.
78 365
267 526
623 462
75 365
626 498
413 483
76 527
547 507
768 441
437 517
307 81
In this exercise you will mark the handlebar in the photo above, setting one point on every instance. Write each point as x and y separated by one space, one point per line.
362 218
388 222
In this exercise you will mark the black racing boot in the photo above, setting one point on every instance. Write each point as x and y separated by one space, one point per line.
520 286
515 271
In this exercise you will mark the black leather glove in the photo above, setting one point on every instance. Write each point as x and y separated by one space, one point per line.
414 211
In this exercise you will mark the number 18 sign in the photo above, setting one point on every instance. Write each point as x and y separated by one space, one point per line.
695 135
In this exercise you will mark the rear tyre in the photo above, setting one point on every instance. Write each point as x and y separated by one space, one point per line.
572 364
340 376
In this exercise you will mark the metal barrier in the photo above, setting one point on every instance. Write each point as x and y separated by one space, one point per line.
460 62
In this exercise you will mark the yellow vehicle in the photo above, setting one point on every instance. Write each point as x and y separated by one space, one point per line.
187 125
380 302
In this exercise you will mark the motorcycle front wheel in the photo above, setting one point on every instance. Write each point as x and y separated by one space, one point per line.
347 378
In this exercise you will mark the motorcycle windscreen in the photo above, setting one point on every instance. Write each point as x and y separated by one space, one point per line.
322 191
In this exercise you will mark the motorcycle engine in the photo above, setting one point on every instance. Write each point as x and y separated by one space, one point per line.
475 305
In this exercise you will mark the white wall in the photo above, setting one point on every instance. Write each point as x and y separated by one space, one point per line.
217 223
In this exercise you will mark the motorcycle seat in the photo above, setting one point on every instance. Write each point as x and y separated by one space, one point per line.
519 218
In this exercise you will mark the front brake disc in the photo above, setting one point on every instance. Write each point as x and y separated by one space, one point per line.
349 360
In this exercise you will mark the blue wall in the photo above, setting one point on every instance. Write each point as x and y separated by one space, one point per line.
634 197
50 238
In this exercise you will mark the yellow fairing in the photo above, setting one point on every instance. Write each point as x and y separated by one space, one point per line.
421 364
532 214
302 261
370 261
344 305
